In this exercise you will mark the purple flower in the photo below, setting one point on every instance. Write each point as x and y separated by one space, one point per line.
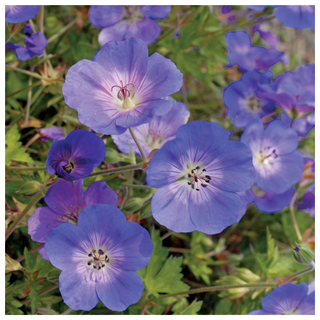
76 156
298 17
65 201
242 99
307 203
18 14
34 47
302 125
27 29
265 34
53 134
278 165
288 299
123 22
199 174
122 87
99 258
268 202
294 92
154 134
248 57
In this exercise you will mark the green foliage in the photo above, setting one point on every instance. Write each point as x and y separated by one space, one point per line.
14 151
162 275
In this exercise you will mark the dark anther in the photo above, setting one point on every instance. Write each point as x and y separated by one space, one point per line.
189 183
103 266
195 179
198 189
89 263
204 170
90 255
192 170
189 175
197 167
100 252
208 177
95 267
203 185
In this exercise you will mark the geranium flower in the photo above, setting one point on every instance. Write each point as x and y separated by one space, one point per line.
99 258
199 174
249 57
298 17
278 165
122 87
53 134
123 22
269 202
65 201
242 99
294 92
18 14
288 299
301 125
76 156
154 134
307 203
35 45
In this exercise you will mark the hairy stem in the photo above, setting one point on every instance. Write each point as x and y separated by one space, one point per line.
118 170
216 288
33 202
144 159
27 168
62 31
295 224
300 273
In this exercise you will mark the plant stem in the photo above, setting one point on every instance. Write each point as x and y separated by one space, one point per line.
41 293
34 201
294 217
32 74
144 159
62 31
216 288
25 88
32 140
300 273
26 119
118 170
27 168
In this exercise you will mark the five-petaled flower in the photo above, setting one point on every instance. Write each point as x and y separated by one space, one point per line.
278 165
123 22
65 201
199 175
122 87
76 156
99 258
154 134
288 299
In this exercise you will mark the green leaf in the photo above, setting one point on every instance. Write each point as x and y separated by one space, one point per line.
191 309
162 275
14 151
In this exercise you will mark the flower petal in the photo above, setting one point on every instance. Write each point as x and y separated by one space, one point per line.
105 16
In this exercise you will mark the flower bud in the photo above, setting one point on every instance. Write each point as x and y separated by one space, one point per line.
303 254
133 204
12 265
30 188
112 156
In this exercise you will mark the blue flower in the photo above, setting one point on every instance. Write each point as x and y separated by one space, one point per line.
249 57
199 174
298 17
268 202
123 22
18 14
307 203
35 45
53 134
294 92
278 165
27 29
242 99
302 125
65 201
99 258
75 157
122 87
154 134
288 299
